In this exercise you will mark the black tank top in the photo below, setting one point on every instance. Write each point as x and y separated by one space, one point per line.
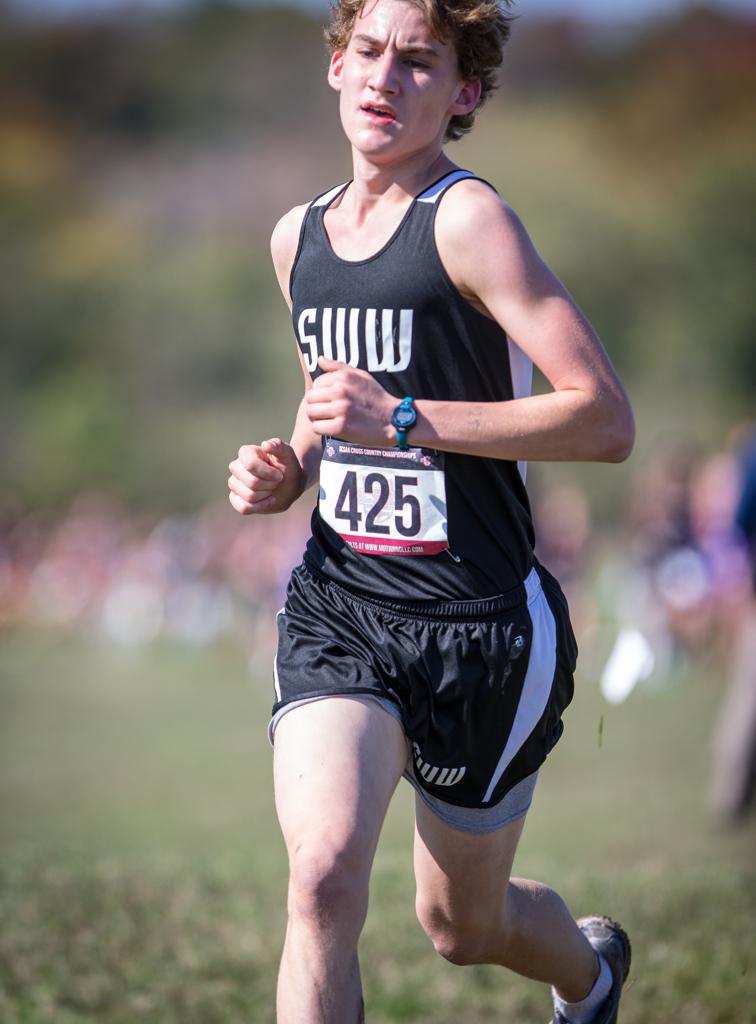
440 347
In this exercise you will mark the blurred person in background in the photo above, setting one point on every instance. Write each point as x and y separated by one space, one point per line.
564 528
678 592
420 637
644 583
734 752
715 493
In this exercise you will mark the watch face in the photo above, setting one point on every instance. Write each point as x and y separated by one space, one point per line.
404 417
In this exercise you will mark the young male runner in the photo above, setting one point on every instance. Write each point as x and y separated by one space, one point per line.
420 637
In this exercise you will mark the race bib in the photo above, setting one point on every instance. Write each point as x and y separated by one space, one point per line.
384 501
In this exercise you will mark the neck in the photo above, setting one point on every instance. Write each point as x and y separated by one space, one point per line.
374 182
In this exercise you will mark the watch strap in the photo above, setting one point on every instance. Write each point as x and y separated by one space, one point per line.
402 433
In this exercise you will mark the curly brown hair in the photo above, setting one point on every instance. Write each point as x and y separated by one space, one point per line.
478 30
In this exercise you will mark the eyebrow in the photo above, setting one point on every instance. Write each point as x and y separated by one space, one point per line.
372 41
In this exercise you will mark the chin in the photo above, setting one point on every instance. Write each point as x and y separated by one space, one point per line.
370 143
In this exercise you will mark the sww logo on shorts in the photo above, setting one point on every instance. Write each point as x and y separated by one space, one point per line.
437 776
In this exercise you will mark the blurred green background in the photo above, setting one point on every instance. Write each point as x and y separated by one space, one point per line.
145 155
145 158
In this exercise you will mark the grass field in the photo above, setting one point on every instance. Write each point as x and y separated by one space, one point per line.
142 875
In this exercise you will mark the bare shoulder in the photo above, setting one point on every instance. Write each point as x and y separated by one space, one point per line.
472 212
283 245
485 247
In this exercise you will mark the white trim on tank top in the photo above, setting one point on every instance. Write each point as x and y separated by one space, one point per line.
433 194
330 195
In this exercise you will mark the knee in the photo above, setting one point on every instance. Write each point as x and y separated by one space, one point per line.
462 939
327 884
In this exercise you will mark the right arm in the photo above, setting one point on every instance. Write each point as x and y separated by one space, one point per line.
270 476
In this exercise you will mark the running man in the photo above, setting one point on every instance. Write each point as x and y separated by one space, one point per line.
420 638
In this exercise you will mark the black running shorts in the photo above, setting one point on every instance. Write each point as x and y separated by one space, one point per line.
479 686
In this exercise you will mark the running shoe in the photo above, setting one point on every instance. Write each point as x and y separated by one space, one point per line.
609 939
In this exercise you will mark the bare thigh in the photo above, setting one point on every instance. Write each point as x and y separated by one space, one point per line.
476 914
462 877
337 762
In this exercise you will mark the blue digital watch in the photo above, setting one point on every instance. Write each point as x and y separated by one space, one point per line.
403 418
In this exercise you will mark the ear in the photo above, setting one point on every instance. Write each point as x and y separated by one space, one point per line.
335 70
467 98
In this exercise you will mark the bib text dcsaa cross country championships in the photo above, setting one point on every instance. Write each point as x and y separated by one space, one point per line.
357 337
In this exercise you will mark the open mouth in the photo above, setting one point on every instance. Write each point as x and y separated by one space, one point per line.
379 112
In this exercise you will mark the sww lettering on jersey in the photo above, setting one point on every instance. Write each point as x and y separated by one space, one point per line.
379 341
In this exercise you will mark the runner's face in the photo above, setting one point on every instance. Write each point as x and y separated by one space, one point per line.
399 85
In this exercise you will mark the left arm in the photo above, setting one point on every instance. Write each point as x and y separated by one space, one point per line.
493 263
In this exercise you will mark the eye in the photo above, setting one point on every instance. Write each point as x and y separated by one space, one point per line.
368 54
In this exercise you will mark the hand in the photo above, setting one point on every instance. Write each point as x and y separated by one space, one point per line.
348 403
265 478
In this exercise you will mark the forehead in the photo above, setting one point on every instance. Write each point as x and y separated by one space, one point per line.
399 21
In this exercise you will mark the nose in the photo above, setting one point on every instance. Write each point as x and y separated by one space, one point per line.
383 74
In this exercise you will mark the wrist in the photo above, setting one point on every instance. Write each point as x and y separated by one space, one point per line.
308 474
307 467
403 419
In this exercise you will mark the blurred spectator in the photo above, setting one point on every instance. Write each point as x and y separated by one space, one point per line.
734 763
659 575
192 579
678 593
563 528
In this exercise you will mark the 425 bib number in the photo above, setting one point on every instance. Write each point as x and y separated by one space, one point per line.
378 485
384 501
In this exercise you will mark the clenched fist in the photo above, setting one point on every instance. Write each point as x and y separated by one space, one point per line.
348 403
265 478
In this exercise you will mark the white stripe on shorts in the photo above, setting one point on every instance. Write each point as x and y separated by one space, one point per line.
538 678
276 683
